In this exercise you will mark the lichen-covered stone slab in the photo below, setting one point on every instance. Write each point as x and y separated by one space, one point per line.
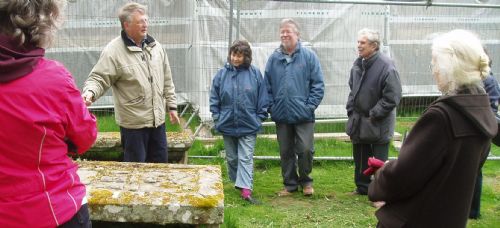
153 193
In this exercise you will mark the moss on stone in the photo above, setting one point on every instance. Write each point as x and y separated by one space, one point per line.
203 202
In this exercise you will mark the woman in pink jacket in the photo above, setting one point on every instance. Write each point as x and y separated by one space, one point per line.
42 119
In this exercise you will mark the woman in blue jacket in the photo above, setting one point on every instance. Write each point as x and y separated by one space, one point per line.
238 102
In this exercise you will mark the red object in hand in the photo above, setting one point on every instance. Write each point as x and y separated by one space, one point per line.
373 165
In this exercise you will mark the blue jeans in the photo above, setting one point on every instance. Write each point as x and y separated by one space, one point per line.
144 144
239 156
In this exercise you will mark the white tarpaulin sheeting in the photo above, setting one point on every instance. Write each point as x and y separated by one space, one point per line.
195 34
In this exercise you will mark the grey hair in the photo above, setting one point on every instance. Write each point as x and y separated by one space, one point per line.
460 59
373 36
33 22
290 21
128 9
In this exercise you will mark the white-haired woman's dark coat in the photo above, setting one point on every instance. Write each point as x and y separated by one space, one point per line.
432 181
371 105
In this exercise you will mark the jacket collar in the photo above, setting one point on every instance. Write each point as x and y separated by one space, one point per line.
365 64
230 67
149 42
283 53
17 61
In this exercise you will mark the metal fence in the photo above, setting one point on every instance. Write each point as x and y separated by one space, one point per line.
196 35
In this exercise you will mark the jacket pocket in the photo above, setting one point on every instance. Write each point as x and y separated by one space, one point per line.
352 124
137 100
223 124
369 130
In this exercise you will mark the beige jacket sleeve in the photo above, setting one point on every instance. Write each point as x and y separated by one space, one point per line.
102 76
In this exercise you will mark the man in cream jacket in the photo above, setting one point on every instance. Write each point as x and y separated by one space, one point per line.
136 67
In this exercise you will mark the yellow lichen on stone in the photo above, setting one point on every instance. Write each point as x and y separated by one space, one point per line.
101 196
126 198
203 202
219 186
166 199
131 185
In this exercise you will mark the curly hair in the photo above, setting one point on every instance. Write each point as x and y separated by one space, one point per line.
32 22
243 47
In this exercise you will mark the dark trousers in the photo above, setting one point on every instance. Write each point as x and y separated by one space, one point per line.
80 220
296 142
475 207
361 153
144 144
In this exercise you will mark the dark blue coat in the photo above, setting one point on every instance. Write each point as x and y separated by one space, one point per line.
238 100
493 91
295 85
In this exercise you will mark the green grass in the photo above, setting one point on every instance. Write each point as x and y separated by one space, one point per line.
318 128
495 150
106 122
268 147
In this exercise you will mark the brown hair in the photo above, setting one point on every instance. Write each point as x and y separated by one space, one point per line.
34 22
243 47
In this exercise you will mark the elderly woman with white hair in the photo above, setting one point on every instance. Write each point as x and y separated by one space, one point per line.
432 181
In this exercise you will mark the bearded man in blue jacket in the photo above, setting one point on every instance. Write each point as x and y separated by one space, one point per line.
295 89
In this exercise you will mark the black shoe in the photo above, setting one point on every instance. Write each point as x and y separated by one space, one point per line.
474 217
252 200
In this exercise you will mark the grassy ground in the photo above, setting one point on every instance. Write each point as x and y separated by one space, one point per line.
268 147
106 122
331 205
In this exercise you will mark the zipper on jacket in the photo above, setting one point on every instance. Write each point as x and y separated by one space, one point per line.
236 101
150 79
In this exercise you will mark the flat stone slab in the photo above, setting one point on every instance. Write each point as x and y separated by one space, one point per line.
178 143
157 193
